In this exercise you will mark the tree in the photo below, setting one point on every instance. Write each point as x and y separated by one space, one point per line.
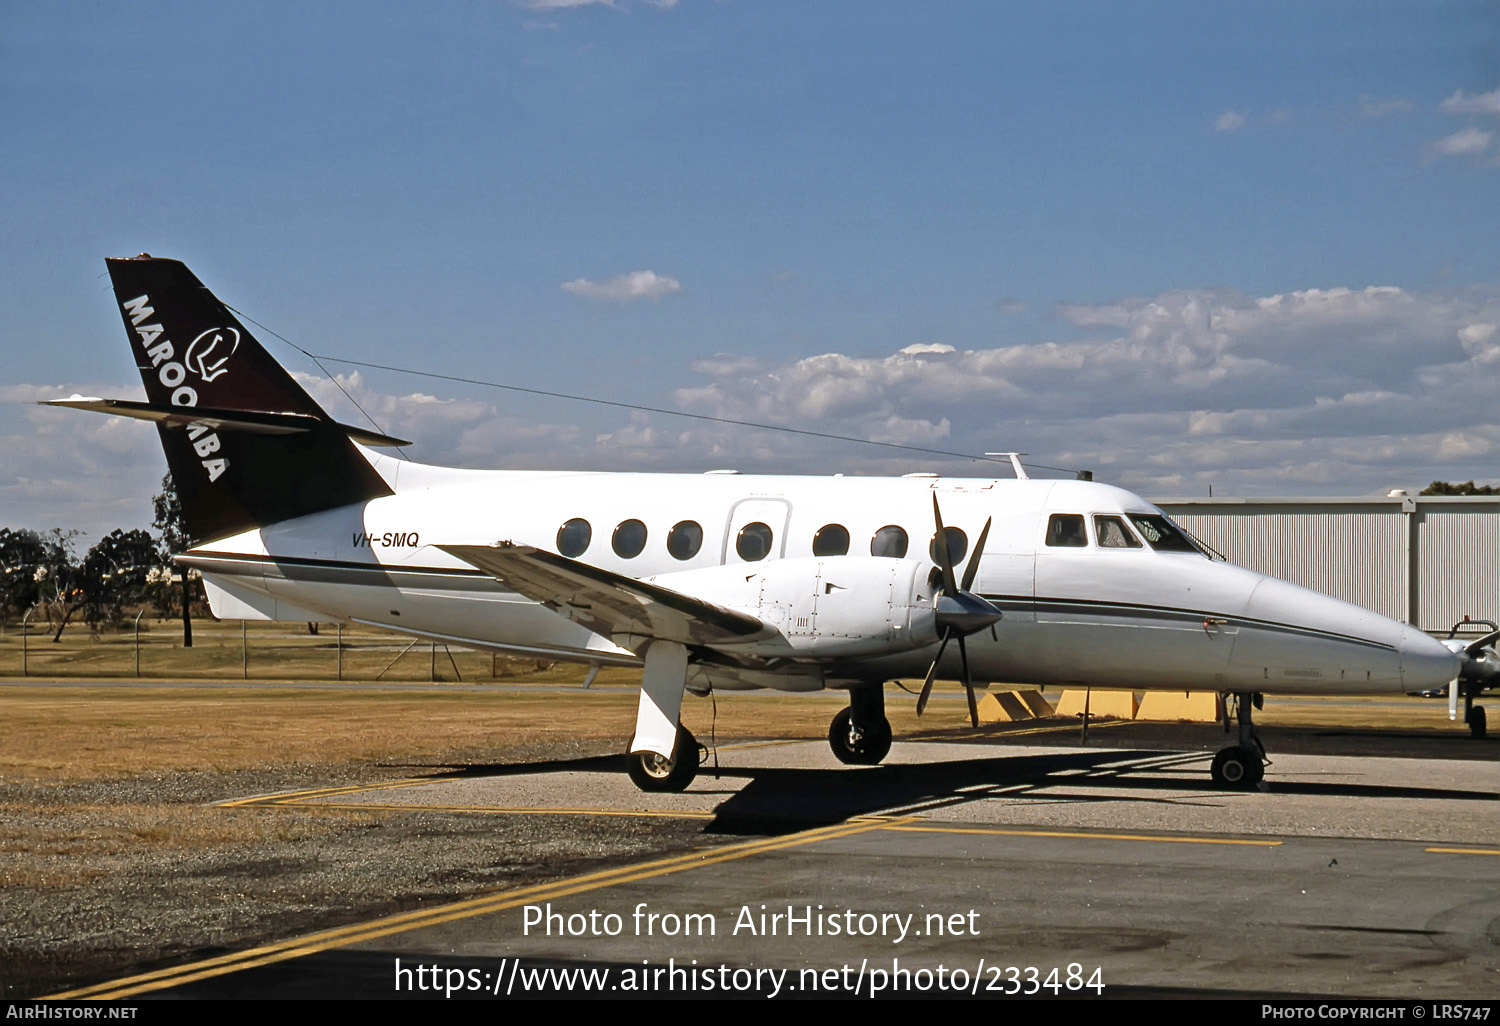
168 519
114 573
1467 488
57 578
22 553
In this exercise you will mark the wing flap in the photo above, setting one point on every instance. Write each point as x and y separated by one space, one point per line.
608 603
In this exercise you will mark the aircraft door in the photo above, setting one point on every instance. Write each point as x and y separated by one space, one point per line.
755 531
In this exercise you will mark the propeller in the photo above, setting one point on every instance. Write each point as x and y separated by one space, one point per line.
957 611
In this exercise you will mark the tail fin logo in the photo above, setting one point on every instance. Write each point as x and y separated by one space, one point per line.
208 354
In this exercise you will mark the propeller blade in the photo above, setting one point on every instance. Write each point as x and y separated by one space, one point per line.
972 570
932 674
950 586
963 654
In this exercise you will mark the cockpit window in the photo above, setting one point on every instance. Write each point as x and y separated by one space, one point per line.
1161 534
1066 530
1113 534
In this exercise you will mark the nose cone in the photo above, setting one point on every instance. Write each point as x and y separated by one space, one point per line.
1425 662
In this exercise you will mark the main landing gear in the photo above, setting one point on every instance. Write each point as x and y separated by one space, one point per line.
861 735
1473 714
650 772
1241 767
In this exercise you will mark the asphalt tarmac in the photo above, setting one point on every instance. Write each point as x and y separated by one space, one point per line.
1367 866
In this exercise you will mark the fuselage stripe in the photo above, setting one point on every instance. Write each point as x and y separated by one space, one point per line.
348 572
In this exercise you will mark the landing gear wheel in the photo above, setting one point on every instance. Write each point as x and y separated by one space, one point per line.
863 745
1238 768
1476 721
650 772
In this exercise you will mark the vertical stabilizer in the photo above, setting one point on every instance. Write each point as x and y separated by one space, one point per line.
230 475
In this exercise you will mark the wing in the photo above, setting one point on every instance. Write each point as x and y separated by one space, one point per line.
608 603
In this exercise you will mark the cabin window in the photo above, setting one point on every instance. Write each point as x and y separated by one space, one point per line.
1113 534
889 541
1066 530
958 544
629 539
1161 534
831 540
685 539
573 537
754 542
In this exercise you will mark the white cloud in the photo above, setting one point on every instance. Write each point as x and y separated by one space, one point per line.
624 287
1382 108
1464 142
1332 390
1478 103
1229 121
558 5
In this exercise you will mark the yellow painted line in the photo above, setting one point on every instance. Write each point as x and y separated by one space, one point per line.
1061 728
960 737
1464 851
292 797
1083 834
504 810
267 954
746 745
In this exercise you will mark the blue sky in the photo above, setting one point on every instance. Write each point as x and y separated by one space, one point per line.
1250 246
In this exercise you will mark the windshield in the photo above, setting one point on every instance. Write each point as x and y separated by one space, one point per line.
1161 534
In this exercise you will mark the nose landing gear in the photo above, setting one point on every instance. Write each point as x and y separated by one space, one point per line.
1241 767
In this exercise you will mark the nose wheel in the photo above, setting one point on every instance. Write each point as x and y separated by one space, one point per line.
1238 768
1241 767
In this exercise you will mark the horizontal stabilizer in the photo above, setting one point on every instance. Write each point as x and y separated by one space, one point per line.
258 422
607 603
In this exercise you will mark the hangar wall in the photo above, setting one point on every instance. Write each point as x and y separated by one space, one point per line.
1427 560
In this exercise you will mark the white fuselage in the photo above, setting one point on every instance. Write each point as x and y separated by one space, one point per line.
1081 614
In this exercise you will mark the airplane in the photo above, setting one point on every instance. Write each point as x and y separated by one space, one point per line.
720 581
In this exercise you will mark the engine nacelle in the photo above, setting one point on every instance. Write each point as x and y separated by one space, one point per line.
824 607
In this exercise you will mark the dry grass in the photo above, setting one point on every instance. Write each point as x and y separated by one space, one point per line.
265 651
69 734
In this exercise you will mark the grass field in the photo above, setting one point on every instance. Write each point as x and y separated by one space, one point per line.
253 650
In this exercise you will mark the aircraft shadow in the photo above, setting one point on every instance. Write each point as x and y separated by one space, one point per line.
779 800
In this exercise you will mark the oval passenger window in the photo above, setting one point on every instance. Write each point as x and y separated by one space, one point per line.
831 540
685 540
754 542
889 541
573 537
958 545
629 539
